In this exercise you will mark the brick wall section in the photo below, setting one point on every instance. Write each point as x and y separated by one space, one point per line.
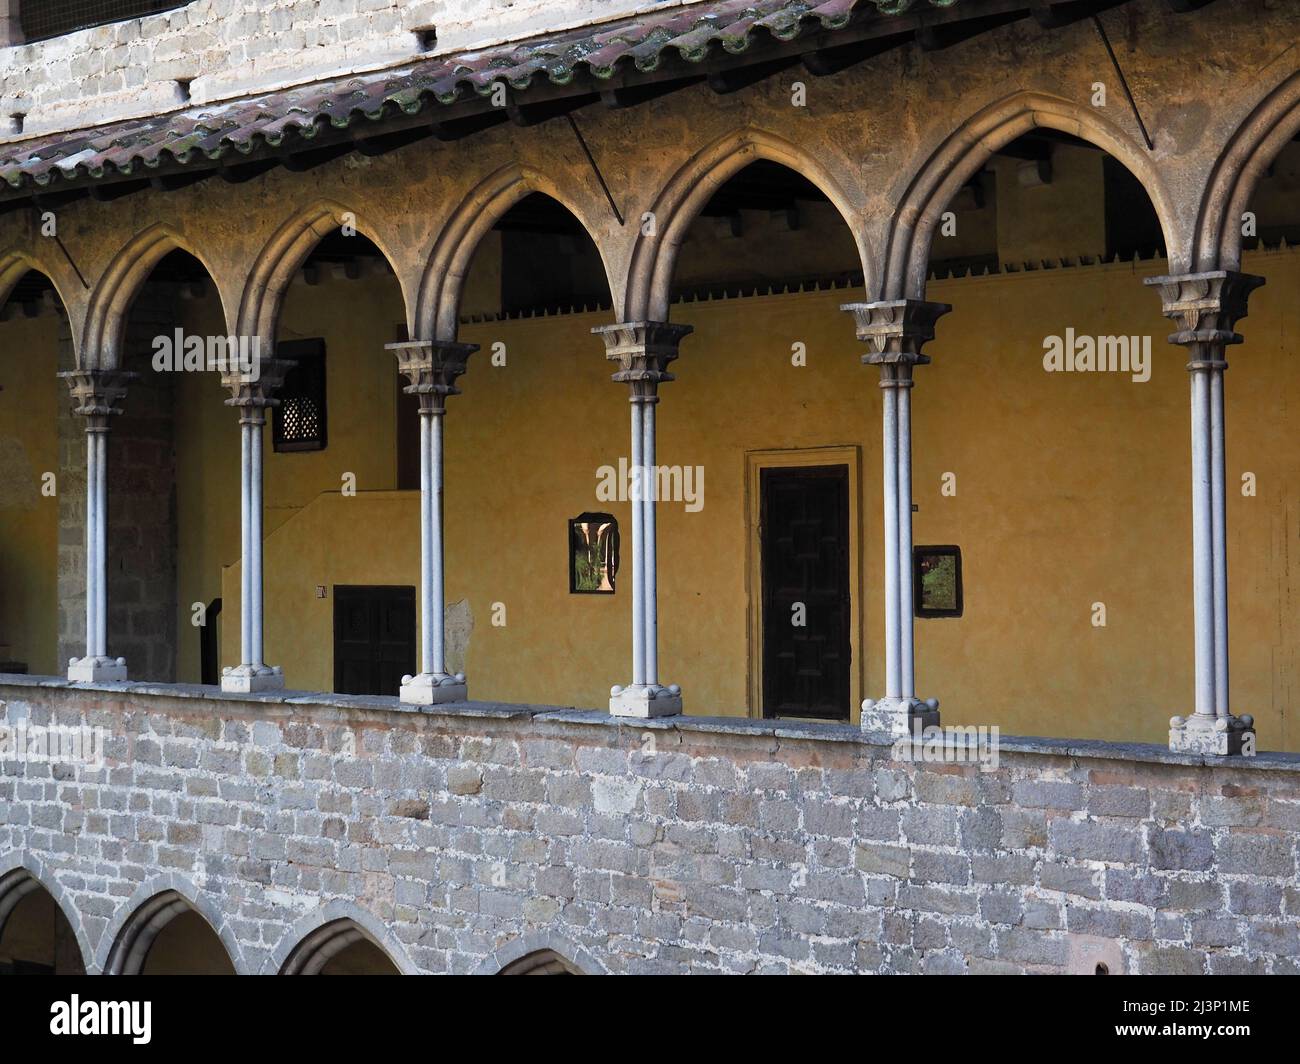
701 846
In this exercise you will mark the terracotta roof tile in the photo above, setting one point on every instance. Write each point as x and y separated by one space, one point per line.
214 131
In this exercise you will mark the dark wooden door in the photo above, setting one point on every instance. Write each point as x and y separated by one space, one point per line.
805 572
374 639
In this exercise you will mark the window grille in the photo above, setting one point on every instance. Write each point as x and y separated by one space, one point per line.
300 422
43 19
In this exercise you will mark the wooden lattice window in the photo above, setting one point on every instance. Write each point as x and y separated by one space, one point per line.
43 19
301 421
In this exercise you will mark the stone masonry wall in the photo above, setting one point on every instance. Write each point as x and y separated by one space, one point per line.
689 846
142 524
227 48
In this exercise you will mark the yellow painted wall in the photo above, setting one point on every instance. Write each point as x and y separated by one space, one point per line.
1072 490
30 394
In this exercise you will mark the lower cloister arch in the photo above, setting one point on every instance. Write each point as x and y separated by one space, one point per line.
22 876
125 945
1272 124
103 335
654 258
438 304
541 953
965 151
309 946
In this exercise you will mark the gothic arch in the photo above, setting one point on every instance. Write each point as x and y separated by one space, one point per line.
20 874
15 263
110 302
307 946
444 278
1251 149
650 276
535 952
963 152
287 250
132 932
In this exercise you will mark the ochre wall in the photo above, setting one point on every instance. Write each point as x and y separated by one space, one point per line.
1072 489
30 395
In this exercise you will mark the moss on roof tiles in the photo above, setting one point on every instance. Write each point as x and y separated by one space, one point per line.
695 33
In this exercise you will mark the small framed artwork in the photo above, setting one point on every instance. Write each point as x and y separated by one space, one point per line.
593 554
936 581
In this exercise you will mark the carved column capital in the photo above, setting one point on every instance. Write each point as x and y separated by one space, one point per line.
252 393
643 350
98 394
1206 308
432 367
895 330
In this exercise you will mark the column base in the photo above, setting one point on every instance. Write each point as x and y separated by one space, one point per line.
1213 736
250 679
97 670
434 689
899 716
645 701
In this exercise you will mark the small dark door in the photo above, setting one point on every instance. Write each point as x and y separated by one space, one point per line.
805 566
374 639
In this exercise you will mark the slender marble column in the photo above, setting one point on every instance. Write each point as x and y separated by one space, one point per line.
1206 307
98 396
251 393
643 351
432 368
895 331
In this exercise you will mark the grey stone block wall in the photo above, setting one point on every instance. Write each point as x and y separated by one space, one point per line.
465 837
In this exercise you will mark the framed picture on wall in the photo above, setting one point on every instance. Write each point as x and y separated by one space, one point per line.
593 554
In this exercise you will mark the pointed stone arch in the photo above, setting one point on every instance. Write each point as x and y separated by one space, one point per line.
963 152
110 304
654 257
541 953
16 262
438 304
287 250
20 875
325 932
127 939
1254 144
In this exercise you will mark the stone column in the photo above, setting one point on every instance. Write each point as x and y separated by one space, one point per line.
895 331
97 395
1206 307
432 367
643 350
251 394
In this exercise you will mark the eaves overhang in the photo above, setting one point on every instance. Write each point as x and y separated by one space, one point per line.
727 43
